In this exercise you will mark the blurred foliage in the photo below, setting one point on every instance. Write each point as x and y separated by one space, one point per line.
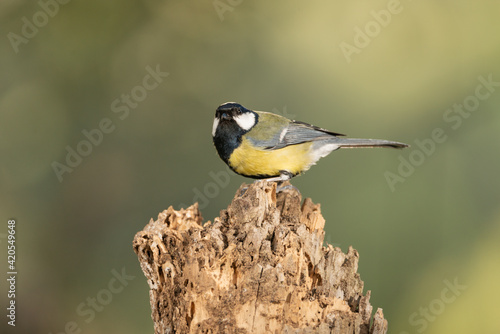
441 223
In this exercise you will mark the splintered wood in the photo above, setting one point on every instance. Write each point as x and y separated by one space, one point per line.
258 268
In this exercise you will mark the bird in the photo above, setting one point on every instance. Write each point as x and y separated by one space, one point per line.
263 145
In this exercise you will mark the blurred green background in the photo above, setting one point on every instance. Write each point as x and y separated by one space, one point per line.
429 240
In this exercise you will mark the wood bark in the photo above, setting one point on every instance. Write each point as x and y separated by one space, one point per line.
260 267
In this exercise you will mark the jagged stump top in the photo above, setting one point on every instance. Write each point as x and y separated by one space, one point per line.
258 268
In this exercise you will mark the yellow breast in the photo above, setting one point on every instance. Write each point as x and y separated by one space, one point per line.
250 161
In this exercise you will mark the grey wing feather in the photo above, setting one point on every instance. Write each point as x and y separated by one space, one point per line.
299 132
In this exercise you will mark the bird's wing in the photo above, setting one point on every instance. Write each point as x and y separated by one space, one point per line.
273 132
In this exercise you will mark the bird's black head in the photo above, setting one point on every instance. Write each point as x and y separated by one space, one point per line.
233 115
228 109
231 121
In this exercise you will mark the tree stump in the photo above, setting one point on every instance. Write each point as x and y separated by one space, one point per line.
258 268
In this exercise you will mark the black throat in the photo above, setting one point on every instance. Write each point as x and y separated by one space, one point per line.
227 138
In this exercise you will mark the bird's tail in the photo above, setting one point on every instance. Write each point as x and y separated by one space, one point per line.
358 142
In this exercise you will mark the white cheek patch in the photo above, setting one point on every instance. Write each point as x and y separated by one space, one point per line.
246 121
214 127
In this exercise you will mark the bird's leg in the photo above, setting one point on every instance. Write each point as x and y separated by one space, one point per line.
284 176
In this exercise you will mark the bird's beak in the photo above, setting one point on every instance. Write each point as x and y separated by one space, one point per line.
225 116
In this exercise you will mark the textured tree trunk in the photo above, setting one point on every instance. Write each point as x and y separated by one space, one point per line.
258 268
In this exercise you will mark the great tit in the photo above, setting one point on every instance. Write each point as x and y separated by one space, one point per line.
262 145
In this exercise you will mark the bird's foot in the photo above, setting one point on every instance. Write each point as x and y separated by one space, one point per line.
284 187
280 183
243 191
281 180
